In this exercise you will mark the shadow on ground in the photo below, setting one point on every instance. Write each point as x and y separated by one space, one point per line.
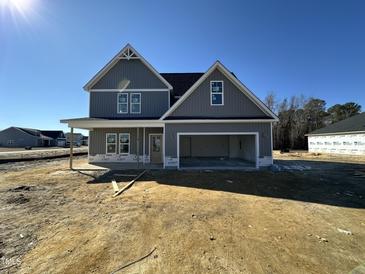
329 183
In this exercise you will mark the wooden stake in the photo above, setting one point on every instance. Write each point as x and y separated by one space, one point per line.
129 184
115 186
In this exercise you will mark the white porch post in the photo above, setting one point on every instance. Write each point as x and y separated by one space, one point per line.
144 145
138 147
71 145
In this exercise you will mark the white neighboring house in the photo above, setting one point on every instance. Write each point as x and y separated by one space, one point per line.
344 137
77 139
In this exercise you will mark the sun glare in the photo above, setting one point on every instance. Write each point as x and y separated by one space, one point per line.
17 7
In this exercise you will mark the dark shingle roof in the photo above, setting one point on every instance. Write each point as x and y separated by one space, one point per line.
54 134
31 131
352 124
181 82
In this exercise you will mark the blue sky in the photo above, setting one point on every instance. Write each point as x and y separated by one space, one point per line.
50 49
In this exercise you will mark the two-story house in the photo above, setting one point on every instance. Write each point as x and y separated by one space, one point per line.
140 118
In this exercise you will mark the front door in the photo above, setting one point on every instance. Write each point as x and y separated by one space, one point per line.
156 148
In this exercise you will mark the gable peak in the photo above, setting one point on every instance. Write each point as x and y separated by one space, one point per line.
128 52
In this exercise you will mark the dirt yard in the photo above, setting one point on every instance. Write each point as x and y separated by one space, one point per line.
291 220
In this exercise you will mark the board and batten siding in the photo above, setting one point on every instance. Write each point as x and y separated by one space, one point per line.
263 129
140 76
104 104
97 139
236 103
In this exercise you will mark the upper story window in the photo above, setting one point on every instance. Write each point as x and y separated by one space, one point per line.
123 103
135 103
216 93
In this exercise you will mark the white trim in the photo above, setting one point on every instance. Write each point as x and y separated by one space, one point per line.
128 89
106 143
234 80
256 134
104 123
221 93
144 145
272 144
140 103
115 59
119 94
162 146
129 143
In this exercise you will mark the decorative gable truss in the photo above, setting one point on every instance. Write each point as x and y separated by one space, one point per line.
127 53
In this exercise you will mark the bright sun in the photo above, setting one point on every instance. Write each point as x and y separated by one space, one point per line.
21 6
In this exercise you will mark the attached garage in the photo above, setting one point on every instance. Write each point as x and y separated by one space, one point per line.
228 150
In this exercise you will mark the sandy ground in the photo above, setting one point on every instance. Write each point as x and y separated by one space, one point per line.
305 155
53 220
11 153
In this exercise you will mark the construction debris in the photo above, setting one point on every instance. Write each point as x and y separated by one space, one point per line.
115 186
129 184
347 232
136 261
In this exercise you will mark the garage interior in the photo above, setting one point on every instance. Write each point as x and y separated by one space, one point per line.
217 151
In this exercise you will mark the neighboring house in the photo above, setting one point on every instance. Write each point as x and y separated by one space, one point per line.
344 137
85 140
141 118
57 136
22 137
77 138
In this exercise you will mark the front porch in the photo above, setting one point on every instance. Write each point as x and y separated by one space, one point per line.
122 144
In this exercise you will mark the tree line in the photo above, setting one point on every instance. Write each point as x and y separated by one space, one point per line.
300 115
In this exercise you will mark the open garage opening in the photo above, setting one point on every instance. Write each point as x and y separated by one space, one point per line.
217 151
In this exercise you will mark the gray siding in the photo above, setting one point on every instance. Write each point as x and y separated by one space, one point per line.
236 104
20 138
133 70
263 129
104 104
97 139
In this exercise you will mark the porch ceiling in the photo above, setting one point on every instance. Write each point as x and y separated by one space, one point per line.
90 123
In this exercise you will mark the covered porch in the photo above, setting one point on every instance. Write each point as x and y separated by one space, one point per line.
122 144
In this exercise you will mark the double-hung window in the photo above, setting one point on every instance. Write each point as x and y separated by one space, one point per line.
216 93
136 103
123 103
124 143
111 143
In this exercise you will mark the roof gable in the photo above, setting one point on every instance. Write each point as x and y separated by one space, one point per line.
128 53
255 108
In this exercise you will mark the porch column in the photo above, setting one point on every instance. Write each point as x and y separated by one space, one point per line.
138 147
71 145
144 145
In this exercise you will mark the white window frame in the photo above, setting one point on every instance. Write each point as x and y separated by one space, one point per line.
127 103
220 93
129 143
106 143
140 103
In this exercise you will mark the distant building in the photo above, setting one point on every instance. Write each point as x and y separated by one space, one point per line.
78 139
22 137
344 137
